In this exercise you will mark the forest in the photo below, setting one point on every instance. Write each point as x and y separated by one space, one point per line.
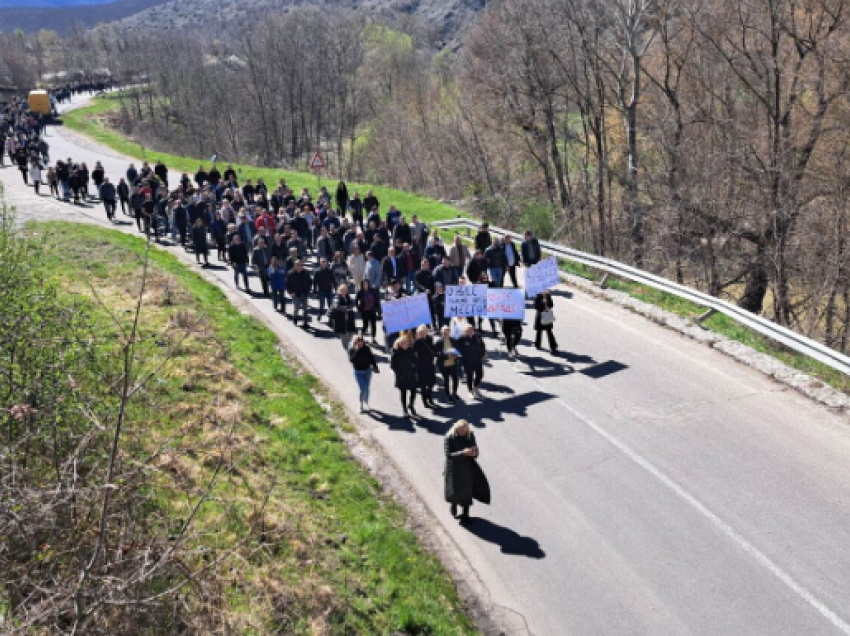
701 140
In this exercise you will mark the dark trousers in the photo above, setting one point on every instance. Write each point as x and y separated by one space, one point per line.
109 206
512 339
25 175
408 397
240 268
553 345
264 282
205 252
138 214
36 184
427 393
279 300
474 374
125 203
181 232
450 380
511 269
370 318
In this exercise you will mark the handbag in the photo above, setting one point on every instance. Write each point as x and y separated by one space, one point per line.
547 318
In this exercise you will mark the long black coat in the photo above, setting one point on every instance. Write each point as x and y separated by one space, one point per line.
542 303
464 479
403 364
342 313
425 369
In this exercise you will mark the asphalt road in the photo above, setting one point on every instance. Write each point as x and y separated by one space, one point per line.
642 482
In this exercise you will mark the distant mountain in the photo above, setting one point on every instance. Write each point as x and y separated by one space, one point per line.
41 4
449 17
62 15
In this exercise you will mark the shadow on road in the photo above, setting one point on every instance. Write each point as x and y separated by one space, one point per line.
604 369
543 368
508 540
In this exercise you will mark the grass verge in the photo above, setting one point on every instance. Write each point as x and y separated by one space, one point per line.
91 121
327 553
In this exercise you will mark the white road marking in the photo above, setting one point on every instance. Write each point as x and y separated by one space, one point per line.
721 525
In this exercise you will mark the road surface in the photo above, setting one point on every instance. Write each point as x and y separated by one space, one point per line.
642 482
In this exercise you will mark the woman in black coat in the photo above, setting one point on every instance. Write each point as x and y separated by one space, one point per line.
199 242
426 371
342 316
448 363
403 364
341 198
464 479
543 304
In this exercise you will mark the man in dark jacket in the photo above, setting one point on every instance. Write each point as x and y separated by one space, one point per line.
483 239
425 284
107 195
238 253
323 286
137 202
495 257
161 172
180 217
530 250
511 258
473 353
391 266
298 285
201 177
378 248
476 267
445 274
123 191
402 232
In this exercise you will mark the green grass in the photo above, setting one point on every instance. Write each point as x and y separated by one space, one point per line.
86 121
346 551
90 121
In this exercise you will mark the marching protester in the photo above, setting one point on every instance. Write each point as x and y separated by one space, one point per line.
426 373
106 193
364 363
403 364
530 250
342 316
238 255
447 361
464 479
277 280
200 246
544 320
368 302
472 355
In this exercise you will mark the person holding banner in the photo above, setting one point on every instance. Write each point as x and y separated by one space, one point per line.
544 320
472 355
426 372
403 364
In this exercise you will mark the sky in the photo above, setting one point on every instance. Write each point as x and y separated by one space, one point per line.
6 4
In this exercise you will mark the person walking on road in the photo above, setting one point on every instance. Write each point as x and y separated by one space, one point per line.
426 371
403 364
544 320
472 355
106 193
368 301
35 176
464 479
363 360
342 316
238 253
447 362
298 285
277 280
200 245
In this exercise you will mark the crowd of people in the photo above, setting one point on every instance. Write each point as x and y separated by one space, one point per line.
334 258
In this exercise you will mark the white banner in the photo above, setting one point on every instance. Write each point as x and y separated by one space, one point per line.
505 303
406 313
541 277
466 300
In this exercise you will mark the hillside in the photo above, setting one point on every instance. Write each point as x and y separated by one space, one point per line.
448 17
63 18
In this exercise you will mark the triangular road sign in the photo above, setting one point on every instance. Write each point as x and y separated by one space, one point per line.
317 163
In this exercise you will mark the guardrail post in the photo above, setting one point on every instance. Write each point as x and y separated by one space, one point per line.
468 232
703 317
604 282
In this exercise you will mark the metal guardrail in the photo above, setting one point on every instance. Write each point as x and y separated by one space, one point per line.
763 326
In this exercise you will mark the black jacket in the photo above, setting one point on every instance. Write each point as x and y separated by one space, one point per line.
542 303
475 269
531 252
403 363
342 314
299 283
495 256
424 281
238 254
323 280
425 368
199 239
362 359
471 349
483 241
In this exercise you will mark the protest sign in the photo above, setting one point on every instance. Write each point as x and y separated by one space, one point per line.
406 313
466 300
541 277
505 303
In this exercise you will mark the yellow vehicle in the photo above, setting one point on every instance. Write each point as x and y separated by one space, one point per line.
39 102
